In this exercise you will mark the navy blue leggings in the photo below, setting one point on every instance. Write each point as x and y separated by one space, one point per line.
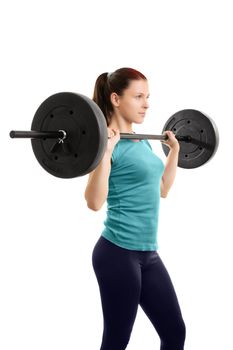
128 278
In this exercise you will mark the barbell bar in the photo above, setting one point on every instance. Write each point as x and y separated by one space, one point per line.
61 135
80 131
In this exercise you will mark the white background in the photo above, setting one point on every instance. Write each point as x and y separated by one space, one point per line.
49 296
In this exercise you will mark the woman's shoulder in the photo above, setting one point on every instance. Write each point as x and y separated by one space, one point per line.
122 146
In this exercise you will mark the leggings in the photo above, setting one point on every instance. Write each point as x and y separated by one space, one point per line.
127 278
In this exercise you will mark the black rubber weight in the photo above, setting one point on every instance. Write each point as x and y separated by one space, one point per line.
86 140
204 134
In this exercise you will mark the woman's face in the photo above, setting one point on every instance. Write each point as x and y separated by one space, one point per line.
133 104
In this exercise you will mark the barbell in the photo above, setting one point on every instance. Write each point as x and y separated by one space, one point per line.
69 135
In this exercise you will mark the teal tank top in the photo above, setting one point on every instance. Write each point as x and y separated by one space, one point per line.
133 196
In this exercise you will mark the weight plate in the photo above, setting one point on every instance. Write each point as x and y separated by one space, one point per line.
86 129
204 134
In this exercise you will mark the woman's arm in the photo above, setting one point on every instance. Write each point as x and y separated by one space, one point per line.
171 164
97 186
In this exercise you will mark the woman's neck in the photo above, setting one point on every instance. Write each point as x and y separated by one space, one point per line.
120 124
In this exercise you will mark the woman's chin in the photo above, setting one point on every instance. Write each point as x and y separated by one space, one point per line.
139 121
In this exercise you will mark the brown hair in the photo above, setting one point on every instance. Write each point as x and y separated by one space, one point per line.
117 82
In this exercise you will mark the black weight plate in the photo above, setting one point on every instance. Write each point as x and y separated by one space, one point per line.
204 134
86 139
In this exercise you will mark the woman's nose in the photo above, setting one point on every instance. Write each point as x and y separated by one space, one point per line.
146 104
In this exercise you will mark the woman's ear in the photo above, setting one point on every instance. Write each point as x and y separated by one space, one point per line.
115 100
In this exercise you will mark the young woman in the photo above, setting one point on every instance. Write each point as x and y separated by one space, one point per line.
132 179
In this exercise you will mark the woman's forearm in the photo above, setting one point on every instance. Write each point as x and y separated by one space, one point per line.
97 188
169 171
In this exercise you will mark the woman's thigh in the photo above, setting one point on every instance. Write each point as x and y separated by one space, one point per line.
119 279
159 300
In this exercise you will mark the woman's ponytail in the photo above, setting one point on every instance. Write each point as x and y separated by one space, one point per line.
101 95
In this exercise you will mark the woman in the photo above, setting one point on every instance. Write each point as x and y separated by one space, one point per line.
132 178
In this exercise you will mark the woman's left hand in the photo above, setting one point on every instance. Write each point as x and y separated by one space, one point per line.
172 141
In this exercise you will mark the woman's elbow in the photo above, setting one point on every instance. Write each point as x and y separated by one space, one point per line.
163 190
163 194
90 204
94 206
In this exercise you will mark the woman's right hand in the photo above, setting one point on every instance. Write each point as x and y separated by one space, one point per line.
113 138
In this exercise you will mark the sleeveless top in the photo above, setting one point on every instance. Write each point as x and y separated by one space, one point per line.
134 196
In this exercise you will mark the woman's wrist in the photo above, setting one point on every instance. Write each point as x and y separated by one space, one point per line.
108 153
175 148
